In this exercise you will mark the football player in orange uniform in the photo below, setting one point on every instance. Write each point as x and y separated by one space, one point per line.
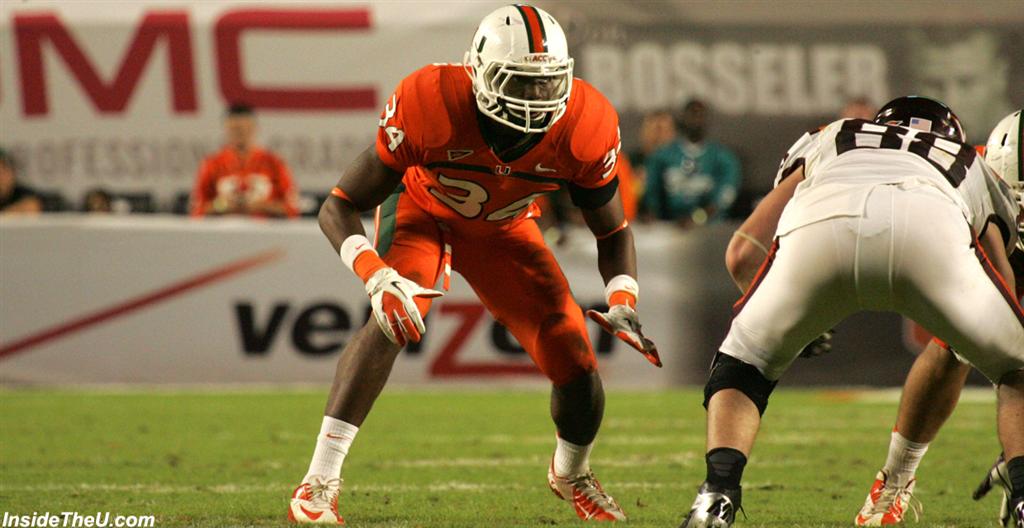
462 152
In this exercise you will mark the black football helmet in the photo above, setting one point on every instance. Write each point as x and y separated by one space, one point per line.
917 112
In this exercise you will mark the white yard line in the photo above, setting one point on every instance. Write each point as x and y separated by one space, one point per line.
285 488
892 395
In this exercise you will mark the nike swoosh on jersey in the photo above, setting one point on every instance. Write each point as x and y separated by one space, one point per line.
541 168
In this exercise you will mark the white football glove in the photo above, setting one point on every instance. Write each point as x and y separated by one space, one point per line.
623 322
391 296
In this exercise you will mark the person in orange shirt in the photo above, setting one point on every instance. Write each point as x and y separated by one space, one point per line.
243 179
462 152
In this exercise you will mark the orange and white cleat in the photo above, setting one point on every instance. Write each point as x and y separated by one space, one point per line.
887 504
587 496
316 502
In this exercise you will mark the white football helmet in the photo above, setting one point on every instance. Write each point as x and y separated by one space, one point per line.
520 67
1003 154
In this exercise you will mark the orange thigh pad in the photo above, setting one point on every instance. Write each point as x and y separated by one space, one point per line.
518 280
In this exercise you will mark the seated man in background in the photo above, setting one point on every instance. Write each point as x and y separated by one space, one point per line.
243 179
657 129
691 180
15 198
98 200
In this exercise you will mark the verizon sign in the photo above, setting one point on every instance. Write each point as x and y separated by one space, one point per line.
252 301
130 96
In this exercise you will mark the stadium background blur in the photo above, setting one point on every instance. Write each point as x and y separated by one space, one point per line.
129 96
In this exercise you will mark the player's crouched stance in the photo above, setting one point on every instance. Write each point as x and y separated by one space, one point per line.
877 208
462 151
934 383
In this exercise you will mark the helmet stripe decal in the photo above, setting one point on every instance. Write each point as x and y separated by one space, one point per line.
535 33
1020 152
543 32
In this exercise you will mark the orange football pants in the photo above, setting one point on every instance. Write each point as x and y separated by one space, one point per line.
510 268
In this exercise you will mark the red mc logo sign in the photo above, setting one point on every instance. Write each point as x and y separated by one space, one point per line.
32 30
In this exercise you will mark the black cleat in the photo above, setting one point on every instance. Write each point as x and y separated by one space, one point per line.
713 508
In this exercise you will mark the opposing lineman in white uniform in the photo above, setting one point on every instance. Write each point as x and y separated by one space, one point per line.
882 215
933 385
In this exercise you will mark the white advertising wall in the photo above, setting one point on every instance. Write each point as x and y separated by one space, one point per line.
170 300
162 299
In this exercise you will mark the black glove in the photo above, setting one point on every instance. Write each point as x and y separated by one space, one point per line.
820 346
997 477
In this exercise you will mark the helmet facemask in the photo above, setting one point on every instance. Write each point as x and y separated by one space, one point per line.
1018 190
528 95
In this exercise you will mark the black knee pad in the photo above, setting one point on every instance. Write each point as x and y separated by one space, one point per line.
728 372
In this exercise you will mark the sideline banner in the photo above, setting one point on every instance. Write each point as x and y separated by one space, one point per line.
768 84
130 95
156 299
164 299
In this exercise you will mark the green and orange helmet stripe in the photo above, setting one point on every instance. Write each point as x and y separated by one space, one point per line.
535 33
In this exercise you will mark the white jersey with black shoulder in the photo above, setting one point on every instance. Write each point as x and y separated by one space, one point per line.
845 160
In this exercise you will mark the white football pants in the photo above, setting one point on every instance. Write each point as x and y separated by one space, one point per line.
910 252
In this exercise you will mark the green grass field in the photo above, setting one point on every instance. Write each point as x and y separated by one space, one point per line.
466 459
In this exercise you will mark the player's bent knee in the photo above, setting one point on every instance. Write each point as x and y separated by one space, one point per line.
728 372
563 352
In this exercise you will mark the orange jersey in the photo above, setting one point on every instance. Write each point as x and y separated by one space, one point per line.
261 176
429 131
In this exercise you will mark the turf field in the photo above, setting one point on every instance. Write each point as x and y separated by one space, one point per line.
466 459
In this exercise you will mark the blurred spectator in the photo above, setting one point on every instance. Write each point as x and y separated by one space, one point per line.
97 201
14 197
691 180
243 179
858 108
657 129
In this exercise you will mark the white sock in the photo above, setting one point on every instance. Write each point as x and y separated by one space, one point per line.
904 457
571 459
331 447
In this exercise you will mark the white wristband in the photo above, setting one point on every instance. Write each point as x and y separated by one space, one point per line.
622 283
352 247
